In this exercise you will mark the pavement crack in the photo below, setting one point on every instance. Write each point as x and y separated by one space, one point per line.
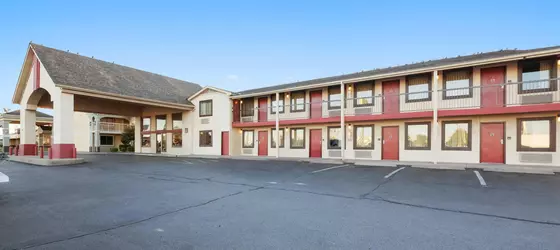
143 220
378 198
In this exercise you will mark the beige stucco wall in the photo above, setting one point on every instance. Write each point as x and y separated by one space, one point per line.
219 122
81 131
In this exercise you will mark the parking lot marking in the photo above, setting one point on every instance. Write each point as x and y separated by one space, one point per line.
188 162
300 184
272 182
480 179
201 161
394 172
325 169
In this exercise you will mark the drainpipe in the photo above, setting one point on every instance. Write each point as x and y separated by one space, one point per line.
277 132
435 133
342 126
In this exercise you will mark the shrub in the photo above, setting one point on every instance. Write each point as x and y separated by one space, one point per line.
123 147
114 150
131 149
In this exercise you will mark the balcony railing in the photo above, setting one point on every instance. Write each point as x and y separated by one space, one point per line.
500 95
475 97
111 127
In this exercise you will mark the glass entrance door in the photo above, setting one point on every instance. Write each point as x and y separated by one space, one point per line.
161 142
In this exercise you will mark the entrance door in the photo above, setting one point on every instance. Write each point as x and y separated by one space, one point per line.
391 97
492 143
263 109
225 143
263 143
161 143
492 92
316 100
390 147
315 143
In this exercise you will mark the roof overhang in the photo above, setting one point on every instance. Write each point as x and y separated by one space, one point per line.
496 60
122 98
223 91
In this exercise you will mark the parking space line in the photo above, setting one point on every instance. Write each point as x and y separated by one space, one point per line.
188 162
394 172
480 179
325 169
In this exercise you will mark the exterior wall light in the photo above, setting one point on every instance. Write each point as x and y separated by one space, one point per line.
558 117
558 62
241 101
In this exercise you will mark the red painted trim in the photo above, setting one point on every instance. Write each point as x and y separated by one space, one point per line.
62 151
161 131
500 110
27 149
37 73
394 116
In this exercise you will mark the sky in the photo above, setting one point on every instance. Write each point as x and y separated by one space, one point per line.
239 45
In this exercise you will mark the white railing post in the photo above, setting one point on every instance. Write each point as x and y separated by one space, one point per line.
435 132
342 126
277 132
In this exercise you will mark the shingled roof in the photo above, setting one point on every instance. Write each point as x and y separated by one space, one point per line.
74 70
396 69
37 114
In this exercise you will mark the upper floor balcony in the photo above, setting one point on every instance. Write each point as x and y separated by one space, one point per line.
112 127
318 106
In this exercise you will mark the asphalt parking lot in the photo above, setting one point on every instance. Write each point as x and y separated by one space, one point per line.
135 202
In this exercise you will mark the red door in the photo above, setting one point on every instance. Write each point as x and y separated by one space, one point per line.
263 109
391 97
491 143
225 143
492 90
236 111
263 143
315 143
390 147
316 100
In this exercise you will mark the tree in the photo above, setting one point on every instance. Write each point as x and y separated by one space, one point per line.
127 139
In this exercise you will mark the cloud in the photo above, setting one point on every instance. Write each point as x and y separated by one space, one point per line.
232 77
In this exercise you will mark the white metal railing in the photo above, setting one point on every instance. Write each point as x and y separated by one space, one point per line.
111 127
482 96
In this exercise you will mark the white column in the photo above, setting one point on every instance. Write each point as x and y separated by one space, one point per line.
342 125
138 135
435 131
97 134
278 125
6 135
63 125
27 127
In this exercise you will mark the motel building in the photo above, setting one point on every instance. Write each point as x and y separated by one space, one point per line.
498 108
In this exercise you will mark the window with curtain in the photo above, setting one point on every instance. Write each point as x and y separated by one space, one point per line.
334 97
363 94
177 120
335 137
146 140
457 84
456 135
248 107
297 138
205 138
363 137
280 103
205 108
273 136
418 88
248 138
536 134
417 136
297 101
535 76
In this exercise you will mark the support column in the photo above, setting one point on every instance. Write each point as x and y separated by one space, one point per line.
6 136
97 136
63 126
342 124
90 132
278 125
138 135
28 135
435 130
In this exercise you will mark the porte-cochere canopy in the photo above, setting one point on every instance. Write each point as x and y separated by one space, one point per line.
68 82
